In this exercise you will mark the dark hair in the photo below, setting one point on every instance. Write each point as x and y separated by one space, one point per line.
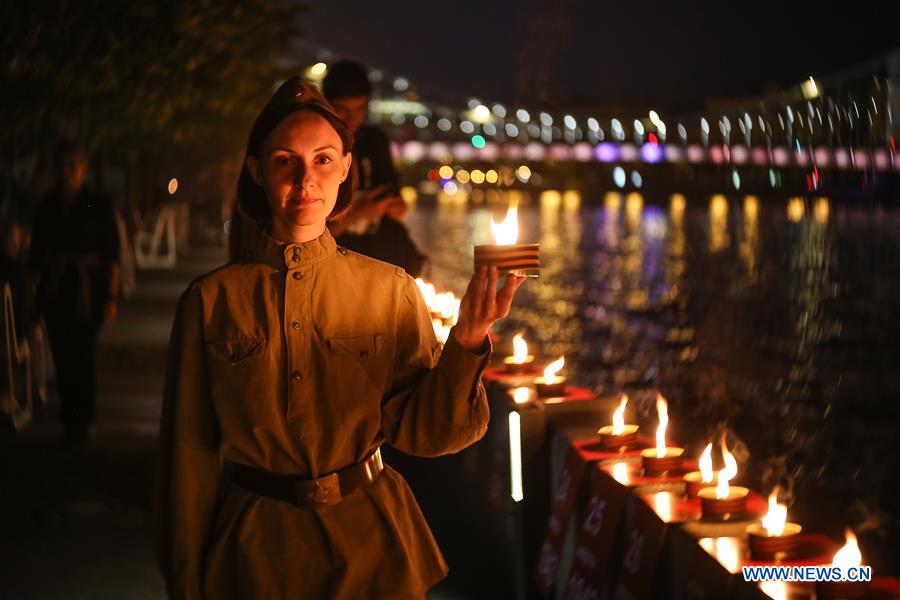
294 95
346 79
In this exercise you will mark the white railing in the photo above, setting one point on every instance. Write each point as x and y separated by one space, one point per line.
148 244
19 354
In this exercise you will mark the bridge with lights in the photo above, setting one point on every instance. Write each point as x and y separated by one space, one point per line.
832 132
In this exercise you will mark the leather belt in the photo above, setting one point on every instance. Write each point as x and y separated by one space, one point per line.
309 493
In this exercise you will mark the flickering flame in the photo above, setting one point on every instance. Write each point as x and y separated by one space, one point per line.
441 331
554 368
849 555
662 408
620 473
427 290
506 232
619 417
706 468
726 474
447 305
777 515
722 485
520 349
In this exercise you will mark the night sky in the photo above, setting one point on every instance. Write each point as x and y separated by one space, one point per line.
670 55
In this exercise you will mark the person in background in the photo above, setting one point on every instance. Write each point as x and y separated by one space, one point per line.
374 226
74 256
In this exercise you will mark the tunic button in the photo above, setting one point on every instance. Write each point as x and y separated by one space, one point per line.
298 275
296 254
297 375
364 353
295 324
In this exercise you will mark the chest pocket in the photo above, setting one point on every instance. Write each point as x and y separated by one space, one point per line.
364 348
236 351
363 355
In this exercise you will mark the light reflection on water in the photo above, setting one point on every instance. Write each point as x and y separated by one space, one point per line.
773 320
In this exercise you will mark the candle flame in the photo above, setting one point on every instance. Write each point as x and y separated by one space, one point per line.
706 468
520 349
722 485
777 515
554 368
726 474
506 232
427 290
662 409
619 417
849 555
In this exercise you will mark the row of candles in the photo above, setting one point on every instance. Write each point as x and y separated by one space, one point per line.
774 537
771 538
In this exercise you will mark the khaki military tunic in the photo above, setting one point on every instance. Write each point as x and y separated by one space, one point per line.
302 360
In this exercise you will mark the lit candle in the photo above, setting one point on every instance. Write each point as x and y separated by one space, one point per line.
724 500
662 459
551 384
520 361
505 253
697 480
848 556
774 537
619 435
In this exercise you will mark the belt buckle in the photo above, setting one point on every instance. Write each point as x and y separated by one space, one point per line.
323 491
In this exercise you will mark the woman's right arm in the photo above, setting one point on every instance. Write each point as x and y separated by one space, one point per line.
189 469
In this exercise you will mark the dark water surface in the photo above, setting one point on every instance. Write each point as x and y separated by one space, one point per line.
776 321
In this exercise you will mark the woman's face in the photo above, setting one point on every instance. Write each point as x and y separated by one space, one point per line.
300 166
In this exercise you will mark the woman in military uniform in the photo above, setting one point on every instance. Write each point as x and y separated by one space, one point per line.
287 370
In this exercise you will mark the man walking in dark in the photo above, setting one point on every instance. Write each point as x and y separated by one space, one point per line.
75 256
374 226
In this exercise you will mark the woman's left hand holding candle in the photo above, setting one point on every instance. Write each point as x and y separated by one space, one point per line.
482 305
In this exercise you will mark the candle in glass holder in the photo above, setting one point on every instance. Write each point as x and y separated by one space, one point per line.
551 384
697 480
619 435
774 537
724 500
505 253
848 556
662 459
520 361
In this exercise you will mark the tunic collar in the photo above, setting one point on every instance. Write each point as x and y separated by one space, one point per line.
290 255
